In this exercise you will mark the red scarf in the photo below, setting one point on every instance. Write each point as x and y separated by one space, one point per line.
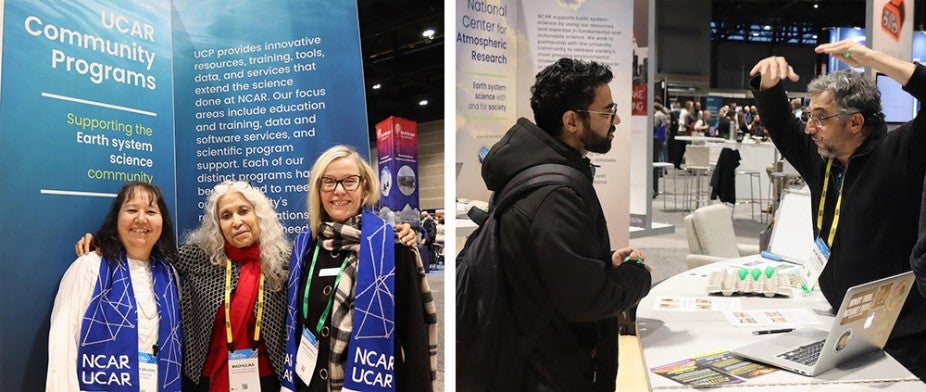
243 320
243 255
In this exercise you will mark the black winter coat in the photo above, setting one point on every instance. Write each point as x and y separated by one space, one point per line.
557 258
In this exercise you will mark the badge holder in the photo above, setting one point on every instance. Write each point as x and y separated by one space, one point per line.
243 370
147 372
307 356
819 256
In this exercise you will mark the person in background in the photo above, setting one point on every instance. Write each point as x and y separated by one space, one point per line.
660 129
697 112
687 118
703 126
797 108
352 291
756 129
430 228
724 122
439 240
865 183
675 148
121 305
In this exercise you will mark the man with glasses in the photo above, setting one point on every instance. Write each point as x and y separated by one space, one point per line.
564 284
865 182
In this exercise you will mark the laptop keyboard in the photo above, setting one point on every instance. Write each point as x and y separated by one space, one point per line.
806 355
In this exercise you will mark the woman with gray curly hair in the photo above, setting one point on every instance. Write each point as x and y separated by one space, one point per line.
234 271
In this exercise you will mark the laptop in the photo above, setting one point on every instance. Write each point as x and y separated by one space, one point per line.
862 325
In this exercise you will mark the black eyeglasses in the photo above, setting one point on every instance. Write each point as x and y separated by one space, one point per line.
612 113
349 183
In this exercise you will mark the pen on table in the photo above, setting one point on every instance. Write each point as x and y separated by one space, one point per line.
770 331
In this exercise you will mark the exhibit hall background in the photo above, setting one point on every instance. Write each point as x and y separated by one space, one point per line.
496 64
198 95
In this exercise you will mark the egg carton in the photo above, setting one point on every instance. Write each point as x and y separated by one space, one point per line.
749 281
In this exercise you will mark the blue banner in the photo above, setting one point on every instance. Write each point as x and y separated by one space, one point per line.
86 106
181 94
262 91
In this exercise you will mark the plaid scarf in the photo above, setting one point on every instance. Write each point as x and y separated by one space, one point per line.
346 237
341 237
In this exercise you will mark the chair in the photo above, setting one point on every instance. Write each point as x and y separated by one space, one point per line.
711 238
665 192
753 175
698 163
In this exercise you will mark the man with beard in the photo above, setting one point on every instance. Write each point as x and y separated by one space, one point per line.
565 286
865 182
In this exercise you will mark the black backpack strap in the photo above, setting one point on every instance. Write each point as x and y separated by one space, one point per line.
539 176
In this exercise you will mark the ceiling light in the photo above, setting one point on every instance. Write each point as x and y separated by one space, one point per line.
377 86
429 33
815 6
754 34
767 27
423 102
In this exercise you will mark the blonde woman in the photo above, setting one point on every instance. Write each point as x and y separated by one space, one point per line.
360 315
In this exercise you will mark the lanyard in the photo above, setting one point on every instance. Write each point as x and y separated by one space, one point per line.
308 284
832 235
260 307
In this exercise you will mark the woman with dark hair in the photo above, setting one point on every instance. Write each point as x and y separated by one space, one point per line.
115 325
360 314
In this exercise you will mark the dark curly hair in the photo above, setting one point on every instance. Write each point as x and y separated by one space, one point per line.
107 236
565 85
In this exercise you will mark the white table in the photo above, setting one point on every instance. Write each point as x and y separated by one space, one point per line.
701 139
670 336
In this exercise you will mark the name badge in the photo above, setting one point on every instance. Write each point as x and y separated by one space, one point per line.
328 272
819 256
147 372
307 356
243 371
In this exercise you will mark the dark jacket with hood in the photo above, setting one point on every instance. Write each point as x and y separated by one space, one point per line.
881 189
557 260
